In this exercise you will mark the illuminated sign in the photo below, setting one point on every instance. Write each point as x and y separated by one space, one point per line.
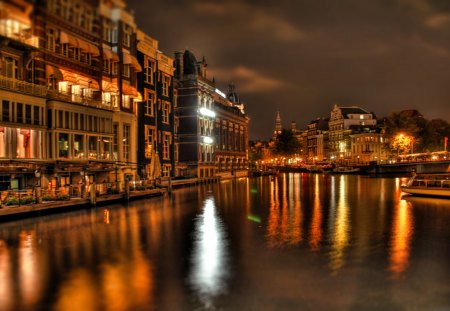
207 112
208 140
221 93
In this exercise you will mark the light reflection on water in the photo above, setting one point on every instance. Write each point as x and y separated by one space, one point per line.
341 229
402 233
298 242
209 257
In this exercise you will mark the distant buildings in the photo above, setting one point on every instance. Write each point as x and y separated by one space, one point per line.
350 135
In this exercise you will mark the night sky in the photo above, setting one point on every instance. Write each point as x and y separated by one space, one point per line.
303 56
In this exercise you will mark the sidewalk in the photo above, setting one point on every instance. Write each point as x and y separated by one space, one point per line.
19 212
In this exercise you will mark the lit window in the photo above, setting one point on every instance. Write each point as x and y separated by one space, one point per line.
149 103
166 145
165 85
165 112
149 70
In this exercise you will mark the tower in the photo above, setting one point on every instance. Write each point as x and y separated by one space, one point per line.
277 126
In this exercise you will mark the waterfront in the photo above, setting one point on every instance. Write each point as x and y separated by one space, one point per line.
299 242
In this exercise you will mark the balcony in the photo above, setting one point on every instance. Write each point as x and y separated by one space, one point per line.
27 88
22 37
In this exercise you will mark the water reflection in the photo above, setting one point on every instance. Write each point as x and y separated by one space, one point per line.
402 233
316 222
285 214
6 288
341 229
210 257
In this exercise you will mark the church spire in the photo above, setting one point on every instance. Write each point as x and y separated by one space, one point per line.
277 125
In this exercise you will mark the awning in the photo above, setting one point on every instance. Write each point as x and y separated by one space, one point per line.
53 71
130 59
66 38
79 43
129 90
69 76
108 54
110 86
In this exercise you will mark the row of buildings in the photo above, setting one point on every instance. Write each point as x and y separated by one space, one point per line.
87 96
350 135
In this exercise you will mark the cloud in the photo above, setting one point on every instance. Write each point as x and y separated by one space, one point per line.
254 18
438 21
248 80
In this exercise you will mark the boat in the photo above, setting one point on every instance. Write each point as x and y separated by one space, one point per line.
345 170
437 185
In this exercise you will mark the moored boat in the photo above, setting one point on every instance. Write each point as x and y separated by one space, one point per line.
346 170
437 185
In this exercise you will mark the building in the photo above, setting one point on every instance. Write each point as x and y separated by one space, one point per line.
119 83
368 145
231 134
317 140
156 112
196 117
341 120
278 126
23 115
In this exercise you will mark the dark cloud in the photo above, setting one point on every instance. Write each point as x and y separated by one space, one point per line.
303 56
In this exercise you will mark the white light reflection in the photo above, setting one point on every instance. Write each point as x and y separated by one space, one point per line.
210 255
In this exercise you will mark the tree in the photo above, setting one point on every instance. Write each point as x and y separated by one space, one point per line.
402 143
286 143
435 132
410 123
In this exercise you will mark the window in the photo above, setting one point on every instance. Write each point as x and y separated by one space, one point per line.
36 115
126 142
115 141
166 145
149 70
126 70
63 145
78 146
51 39
165 85
93 147
5 111
126 101
165 112
27 114
106 65
149 103
19 118
149 140
11 69
166 170
127 31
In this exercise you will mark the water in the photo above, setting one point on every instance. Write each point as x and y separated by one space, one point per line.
299 242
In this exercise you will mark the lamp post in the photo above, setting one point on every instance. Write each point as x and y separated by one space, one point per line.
37 174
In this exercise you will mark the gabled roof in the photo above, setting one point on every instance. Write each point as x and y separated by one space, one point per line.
352 110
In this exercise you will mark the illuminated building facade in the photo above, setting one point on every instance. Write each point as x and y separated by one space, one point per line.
195 112
317 140
341 120
156 111
68 92
119 81
231 134
367 144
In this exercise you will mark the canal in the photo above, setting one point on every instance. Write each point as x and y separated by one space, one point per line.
298 242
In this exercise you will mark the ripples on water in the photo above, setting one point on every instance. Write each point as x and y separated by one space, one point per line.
298 242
